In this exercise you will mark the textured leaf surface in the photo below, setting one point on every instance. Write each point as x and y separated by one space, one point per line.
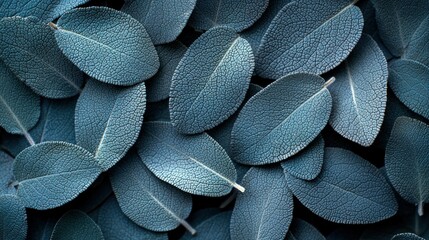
53 173
418 48
158 87
407 160
108 45
164 20
397 20
293 42
238 14
19 106
407 236
302 230
76 225
13 218
359 93
115 225
215 227
6 174
108 120
210 81
349 190
148 201
264 211
281 120
28 47
307 164
196 164
409 81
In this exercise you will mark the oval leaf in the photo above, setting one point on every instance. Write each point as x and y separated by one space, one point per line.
108 120
6 174
418 48
270 126
51 174
264 211
293 41
359 93
210 81
164 20
196 164
215 227
407 236
349 190
148 201
76 225
13 218
302 230
28 47
106 44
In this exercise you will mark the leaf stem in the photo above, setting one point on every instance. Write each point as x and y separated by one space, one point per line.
188 226
231 198
420 208
238 187
53 25
329 82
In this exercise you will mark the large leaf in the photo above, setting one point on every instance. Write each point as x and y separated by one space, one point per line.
6 174
13 218
115 225
76 225
270 126
19 106
409 81
28 47
302 230
238 14
359 93
407 160
196 164
215 227
106 44
51 174
418 48
349 190
108 120
295 42
264 211
210 81
164 20
407 236
148 201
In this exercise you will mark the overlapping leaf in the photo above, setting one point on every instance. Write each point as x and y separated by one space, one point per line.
76 225
13 218
6 174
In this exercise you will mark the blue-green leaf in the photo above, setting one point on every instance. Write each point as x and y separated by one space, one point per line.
106 44
237 14
271 125
210 81
6 174
264 211
418 48
407 236
75 225
13 218
115 225
302 230
349 190
296 43
215 227
193 163
359 93
28 47
164 20
307 164
407 160
158 87
51 174
108 120
397 20
148 201
409 81
19 106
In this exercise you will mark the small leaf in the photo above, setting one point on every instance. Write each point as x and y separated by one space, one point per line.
349 190
106 44
210 81
409 81
51 174
13 218
6 174
76 225
28 47
148 201
407 236
281 120
293 42
407 160
215 227
359 93
196 164
302 230
238 14
164 20
418 48
264 211
108 120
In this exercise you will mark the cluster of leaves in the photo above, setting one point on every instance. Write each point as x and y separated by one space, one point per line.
127 121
